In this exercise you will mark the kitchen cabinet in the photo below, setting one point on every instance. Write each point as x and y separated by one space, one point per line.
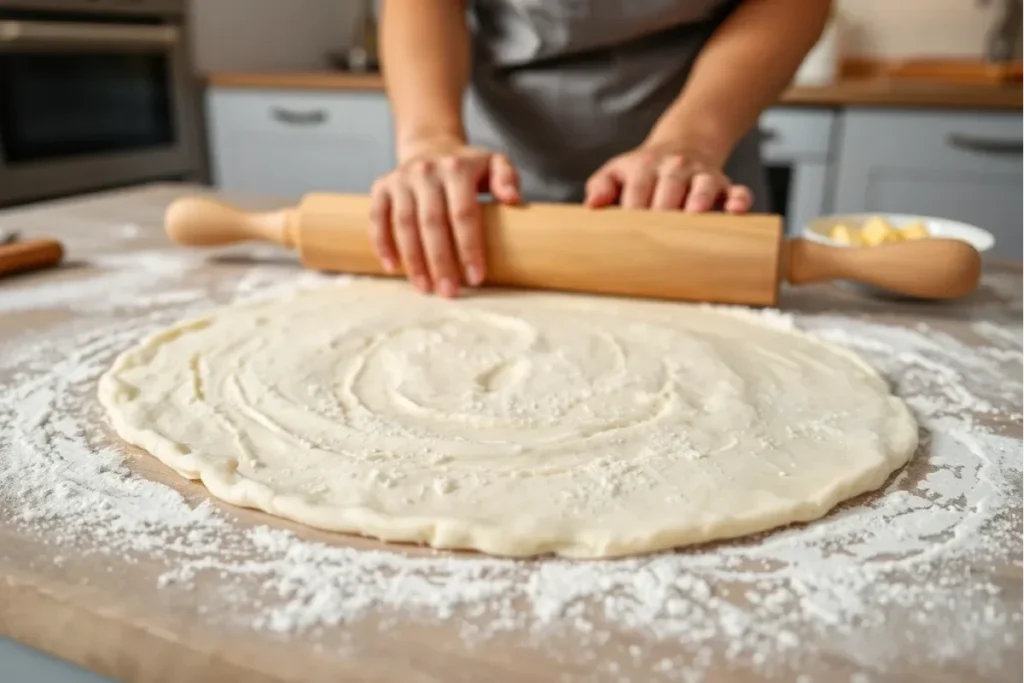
796 148
291 142
962 165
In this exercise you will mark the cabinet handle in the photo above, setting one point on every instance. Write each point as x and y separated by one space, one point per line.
768 134
299 118
972 143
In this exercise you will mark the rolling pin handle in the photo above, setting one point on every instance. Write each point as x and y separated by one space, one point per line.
927 269
205 222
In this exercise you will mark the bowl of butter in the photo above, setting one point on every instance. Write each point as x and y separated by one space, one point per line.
876 229
870 230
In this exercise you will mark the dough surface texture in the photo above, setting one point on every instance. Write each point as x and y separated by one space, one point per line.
513 423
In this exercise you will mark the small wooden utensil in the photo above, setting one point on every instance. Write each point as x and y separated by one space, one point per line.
659 254
19 257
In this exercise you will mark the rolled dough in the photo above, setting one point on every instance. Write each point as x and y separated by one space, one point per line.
510 423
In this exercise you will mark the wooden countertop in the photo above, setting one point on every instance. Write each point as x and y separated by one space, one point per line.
109 560
853 92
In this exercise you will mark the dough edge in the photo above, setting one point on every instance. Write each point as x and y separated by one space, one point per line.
446 533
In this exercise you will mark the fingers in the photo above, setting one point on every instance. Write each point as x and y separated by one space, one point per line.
460 186
669 182
435 231
504 181
705 188
673 181
738 199
602 189
380 226
405 230
638 187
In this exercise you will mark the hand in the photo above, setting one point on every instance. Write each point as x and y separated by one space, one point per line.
426 216
662 178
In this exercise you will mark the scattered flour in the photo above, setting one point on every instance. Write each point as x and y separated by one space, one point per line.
863 584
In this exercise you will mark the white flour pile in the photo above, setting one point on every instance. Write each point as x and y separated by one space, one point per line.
869 584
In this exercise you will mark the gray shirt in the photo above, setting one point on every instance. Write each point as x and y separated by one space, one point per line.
562 86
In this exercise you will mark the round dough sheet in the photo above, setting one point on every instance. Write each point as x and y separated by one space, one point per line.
510 423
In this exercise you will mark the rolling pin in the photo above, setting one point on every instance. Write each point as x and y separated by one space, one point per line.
712 257
20 257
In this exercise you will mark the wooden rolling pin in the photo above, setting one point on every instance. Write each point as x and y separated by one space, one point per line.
19 257
659 254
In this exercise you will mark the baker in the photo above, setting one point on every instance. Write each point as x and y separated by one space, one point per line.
641 103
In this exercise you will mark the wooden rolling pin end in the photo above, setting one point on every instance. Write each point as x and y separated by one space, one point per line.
21 257
926 269
205 222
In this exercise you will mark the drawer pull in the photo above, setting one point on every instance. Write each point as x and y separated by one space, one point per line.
768 134
299 118
984 145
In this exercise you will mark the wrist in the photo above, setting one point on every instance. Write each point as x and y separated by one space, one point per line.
415 141
697 134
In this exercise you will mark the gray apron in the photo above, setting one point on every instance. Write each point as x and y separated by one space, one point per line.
562 86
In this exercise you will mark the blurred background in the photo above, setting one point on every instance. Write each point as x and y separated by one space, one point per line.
904 107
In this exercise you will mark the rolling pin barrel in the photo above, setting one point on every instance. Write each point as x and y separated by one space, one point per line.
708 257
657 254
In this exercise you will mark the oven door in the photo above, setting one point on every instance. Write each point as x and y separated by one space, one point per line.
85 106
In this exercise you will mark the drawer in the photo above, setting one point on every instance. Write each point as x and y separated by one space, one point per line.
300 113
291 143
790 134
970 142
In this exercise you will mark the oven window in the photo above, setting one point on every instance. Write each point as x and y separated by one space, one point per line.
65 105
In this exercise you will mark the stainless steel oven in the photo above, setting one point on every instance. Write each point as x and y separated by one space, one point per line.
95 94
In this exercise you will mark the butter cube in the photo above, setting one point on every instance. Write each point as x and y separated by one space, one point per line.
915 231
876 231
844 234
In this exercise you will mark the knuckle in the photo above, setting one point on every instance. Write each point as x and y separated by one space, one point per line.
463 213
648 158
418 169
454 164
672 164
433 219
405 221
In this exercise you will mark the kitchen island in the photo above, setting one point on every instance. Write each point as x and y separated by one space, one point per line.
109 560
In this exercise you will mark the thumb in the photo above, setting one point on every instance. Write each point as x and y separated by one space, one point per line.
504 181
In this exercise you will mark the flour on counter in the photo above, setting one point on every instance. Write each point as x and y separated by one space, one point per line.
763 603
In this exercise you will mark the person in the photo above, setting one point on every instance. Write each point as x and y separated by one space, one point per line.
645 104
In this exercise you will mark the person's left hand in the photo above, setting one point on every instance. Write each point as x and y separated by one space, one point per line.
661 178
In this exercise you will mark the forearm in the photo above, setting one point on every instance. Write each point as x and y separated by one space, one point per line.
741 71
425 60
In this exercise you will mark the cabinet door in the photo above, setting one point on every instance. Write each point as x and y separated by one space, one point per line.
960 165
291 143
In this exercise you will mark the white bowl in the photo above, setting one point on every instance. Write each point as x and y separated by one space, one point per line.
819 228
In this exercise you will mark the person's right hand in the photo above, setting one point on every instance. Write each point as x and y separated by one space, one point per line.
425 214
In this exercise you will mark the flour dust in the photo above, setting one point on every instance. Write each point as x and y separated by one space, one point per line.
853 585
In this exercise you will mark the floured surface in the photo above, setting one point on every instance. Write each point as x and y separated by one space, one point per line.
514 423
921 581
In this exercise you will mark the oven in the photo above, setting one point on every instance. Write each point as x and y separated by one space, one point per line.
95 94
796 144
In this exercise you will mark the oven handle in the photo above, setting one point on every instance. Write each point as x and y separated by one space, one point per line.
53 33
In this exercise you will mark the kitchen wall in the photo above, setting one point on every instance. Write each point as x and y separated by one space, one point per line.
297 34
253 35
899 28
